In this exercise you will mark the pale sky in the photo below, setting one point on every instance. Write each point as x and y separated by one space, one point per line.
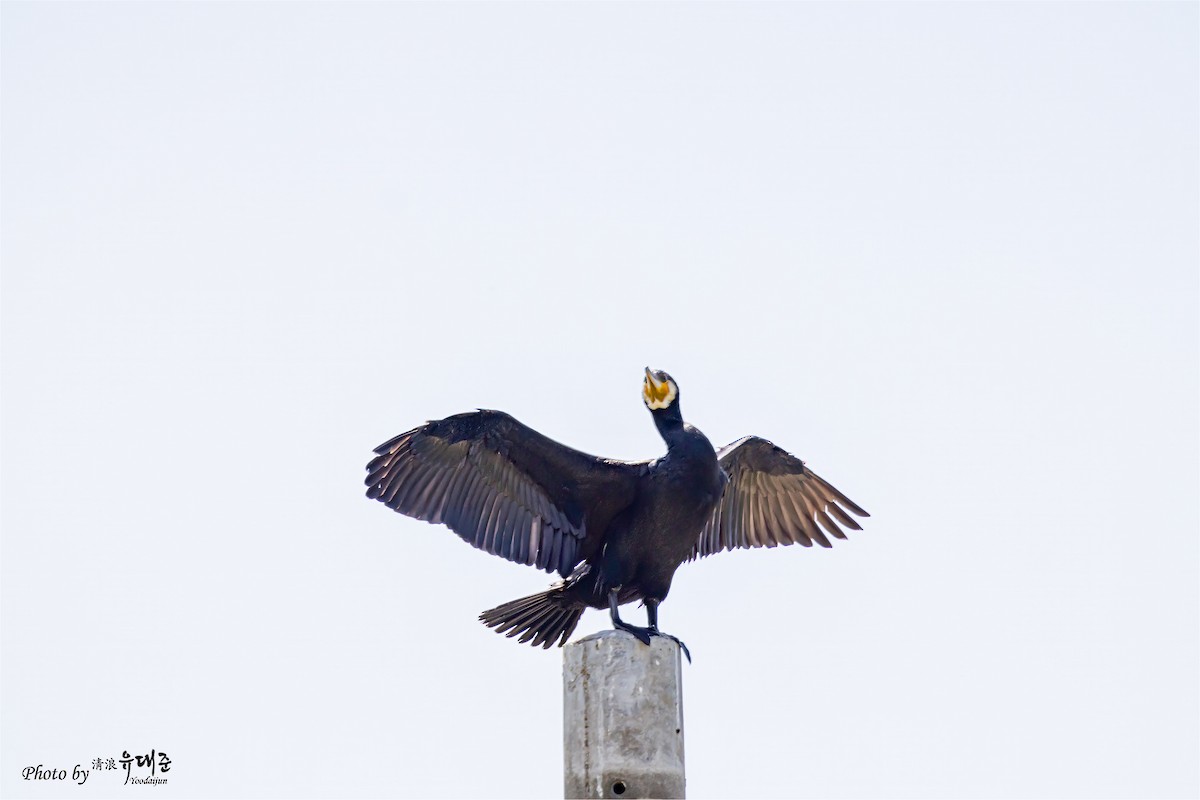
946 253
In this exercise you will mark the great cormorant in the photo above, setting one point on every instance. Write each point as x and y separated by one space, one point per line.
615 531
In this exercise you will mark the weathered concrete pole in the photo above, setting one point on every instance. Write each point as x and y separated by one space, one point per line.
622 717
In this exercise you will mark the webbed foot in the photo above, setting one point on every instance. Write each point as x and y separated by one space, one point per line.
643 634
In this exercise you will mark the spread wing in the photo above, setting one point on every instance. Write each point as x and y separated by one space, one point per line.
503 487
772 498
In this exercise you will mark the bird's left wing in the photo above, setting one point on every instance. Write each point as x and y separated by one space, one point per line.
772 498
503 487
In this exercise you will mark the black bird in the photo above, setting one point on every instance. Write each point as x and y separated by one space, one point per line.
616 531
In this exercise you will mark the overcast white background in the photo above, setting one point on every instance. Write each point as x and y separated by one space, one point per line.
946 253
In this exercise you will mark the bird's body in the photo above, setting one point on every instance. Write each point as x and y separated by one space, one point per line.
648 541
616 531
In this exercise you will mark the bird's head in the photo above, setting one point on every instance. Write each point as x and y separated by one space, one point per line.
659 390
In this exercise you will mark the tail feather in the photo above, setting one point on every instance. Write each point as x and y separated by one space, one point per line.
540 619
517 620
556 623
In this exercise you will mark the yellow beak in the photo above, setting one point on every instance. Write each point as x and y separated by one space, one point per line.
654 389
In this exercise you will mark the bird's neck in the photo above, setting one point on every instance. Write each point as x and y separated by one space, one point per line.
669 422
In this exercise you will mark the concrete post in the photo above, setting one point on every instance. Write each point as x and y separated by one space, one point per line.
622 717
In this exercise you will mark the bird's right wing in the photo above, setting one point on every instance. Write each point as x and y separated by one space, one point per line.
772 499
502 486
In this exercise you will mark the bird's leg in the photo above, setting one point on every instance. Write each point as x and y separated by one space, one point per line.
643 634
652 618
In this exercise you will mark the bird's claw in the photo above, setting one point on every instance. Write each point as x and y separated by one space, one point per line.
677 641
643 635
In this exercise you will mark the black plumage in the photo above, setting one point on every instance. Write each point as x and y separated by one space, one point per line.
615 531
